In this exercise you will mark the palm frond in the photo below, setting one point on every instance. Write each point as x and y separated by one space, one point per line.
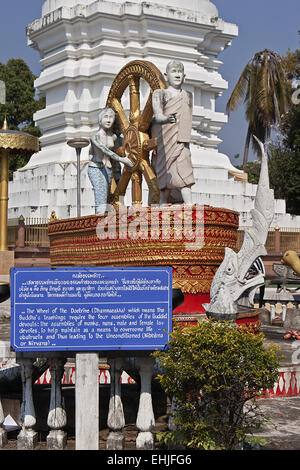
266 103
263 85
240 90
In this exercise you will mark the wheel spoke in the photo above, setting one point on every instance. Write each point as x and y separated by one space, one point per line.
136 181
146 115
120 114
120 151
134 94
151 181
150 144
123 183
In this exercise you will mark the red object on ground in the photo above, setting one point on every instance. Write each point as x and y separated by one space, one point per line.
192 304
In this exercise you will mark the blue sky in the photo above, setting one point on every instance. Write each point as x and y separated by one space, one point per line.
262 24
271 24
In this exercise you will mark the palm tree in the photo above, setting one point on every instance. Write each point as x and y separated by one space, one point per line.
263 86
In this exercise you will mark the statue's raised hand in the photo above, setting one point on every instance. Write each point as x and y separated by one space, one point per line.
126 161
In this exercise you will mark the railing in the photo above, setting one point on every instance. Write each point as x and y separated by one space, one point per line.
290 239
86 405
33 231
36 231
278 240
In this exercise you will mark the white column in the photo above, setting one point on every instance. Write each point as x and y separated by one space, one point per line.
87 401
115 419
284 307
57 418
27 437
145 418
272 311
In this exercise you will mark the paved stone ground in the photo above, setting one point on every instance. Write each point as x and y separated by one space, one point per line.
282 433
129 431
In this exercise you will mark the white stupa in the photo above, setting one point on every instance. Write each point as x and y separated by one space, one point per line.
83 44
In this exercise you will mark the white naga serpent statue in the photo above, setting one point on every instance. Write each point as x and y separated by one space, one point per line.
240 274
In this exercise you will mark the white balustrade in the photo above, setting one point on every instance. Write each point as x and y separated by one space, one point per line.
27 437
115 419
57 418
145 421
86 411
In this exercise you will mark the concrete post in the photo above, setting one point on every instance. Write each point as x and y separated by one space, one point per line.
87 401
284 307
27 437
272 311
277 239
145 418
21 233
3 199
57 418
115 419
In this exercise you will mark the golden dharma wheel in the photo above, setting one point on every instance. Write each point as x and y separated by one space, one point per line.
135 128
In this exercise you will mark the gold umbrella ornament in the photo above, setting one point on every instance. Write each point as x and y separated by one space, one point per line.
11 142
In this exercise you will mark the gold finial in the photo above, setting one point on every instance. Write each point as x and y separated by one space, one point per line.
5 126
52 217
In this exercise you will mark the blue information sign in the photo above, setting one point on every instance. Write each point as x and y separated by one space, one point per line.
87 309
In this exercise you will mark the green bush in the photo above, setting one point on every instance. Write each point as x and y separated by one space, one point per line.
213 370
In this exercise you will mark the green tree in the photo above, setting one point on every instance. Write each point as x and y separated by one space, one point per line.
215 372
263 87
284 169
253 171
291 63
284 154
290 125
21 103
284 173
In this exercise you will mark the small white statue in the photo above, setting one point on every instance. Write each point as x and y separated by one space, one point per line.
172 127
100 166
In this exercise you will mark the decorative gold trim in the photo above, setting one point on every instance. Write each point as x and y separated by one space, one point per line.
5 126
75 242
239 176
18 141
10 142
53 217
